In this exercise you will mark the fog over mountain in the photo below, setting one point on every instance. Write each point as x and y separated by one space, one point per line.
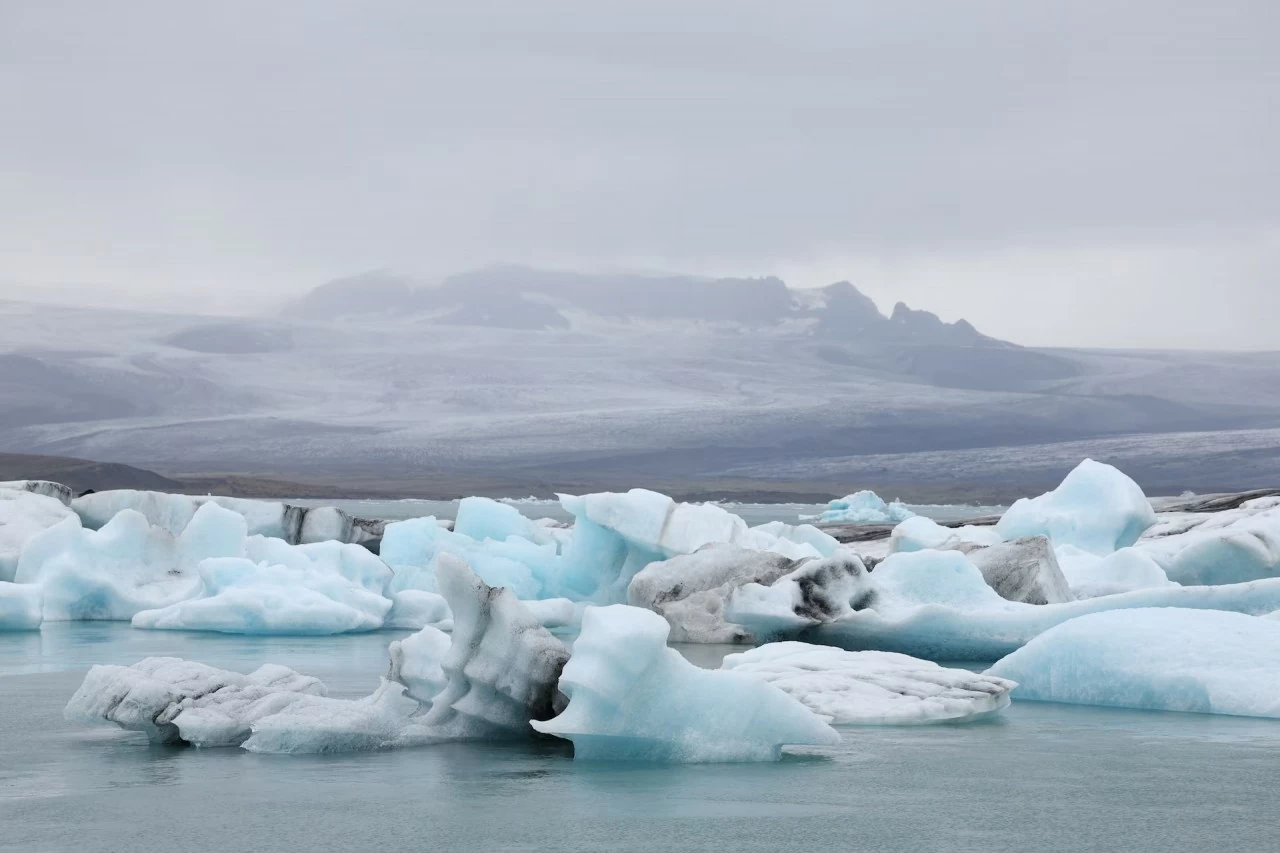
511 379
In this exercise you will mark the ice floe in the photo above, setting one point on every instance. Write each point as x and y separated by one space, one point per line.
1165 659
872 688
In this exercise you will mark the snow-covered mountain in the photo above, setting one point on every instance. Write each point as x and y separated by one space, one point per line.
517 297
512 380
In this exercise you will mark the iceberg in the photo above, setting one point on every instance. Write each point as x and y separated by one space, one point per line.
1096 508
633 698
924 534
690 591
47 488
1199 661
23 514
1225 547
1091 576
112 573
21 606
177 701
385 719
1024 569
864 507
417 663
415 609
818 591
293 524
936 605
872 688
502 666
614 537
261 585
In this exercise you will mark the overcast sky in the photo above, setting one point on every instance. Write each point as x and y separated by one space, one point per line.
1090 172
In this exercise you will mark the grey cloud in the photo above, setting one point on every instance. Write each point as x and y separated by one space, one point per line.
262 148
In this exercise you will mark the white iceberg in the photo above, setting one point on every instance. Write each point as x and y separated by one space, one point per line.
1096 508
415 609
1201 661
936 605
292 524
417 663
262 585
921 534
1091 576
173 700
21 606
690 591
615 535
632 698
23 514
1225 547
872 688
864 507
502 666
115 572
385 719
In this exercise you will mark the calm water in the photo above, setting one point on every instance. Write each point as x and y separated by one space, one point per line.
1041 778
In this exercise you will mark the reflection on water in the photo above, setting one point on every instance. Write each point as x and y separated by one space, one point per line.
1037 778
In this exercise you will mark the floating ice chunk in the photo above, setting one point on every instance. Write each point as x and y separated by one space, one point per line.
1128 569
1226 547
632 698
173 700
385 719
49 489
864 507
174 512
416 662
502 666
416 609
658 525
23 514
114 572
781 538
1096 508
484 518
872 687
411 548
21 606
239 596
555 612
1025 569
1166 659
921 534
691 591
818 591
936 605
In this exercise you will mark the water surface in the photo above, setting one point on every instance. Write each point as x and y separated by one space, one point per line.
1039 778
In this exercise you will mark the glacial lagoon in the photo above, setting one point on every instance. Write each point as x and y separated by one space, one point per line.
1037 777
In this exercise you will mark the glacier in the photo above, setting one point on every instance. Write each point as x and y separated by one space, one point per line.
631 698
1199 661
872 688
